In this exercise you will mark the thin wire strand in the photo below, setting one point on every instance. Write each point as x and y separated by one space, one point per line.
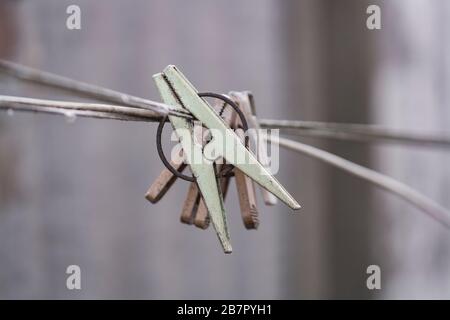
355 132
78 108
89 90
417 199
71 113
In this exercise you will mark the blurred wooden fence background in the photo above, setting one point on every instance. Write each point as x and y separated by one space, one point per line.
73 193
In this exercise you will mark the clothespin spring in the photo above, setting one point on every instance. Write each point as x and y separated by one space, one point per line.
166 162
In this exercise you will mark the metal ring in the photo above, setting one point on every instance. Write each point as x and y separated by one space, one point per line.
164 119
233 105
163 157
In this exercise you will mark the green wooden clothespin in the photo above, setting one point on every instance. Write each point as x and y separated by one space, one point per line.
176 90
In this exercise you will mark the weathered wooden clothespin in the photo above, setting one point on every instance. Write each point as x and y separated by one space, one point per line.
201 217
165 180
175 89
246 191
190 206
193 198
246 103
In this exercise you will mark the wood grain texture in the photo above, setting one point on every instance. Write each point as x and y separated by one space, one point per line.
188 212
246 191
202 219
246 103
164 181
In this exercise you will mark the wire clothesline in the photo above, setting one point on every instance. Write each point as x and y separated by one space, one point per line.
88 90
355 132
302 128
414 197
130 108
342 131
95 110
